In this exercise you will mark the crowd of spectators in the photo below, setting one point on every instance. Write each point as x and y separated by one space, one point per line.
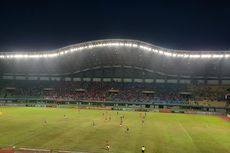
110 91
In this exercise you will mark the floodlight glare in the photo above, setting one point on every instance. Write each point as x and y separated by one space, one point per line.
206 56
194 56
110 43
217 56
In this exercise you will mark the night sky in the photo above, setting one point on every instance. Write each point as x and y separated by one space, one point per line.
46 24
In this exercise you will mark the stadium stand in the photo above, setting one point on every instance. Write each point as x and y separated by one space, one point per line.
117 70
117 92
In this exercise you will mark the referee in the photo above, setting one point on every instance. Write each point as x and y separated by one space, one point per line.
143 149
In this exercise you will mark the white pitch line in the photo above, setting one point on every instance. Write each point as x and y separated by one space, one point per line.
188 135
33 149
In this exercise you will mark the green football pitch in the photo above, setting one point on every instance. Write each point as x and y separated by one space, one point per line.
71 129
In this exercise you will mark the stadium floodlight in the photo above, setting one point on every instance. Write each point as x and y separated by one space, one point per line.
226 55
44 55
128 44
10 56
145 48
52 55
174 55
217 55
121 44
167 53
19 56
75 49
25 56
194 56
206 55
80 48
135 45
160 52
34 56
180 55
155 50
91 46
186 55
114 44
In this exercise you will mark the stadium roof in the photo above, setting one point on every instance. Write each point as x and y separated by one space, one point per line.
117 43
118 58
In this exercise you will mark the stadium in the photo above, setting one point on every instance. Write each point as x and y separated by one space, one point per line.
121 92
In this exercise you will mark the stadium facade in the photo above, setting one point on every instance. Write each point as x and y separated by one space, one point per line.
119 60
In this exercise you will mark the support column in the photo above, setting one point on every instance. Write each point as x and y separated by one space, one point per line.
122 75
220 72
133 71
154 77
143 74
71 77
178 78
102 72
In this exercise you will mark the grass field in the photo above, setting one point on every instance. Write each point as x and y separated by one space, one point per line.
160 133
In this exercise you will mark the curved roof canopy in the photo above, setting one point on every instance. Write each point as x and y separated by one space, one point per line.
117 43
118 54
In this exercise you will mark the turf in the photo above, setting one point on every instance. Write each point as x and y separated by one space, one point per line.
69 129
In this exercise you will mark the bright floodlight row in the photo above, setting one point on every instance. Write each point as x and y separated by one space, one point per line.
110 44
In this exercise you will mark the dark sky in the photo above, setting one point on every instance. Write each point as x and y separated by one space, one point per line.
50 24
